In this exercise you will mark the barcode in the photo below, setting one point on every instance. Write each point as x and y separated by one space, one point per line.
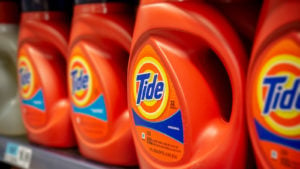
24 156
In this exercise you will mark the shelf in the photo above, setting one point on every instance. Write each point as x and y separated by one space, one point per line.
38 157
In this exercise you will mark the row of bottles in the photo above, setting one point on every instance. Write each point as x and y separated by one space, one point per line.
197 70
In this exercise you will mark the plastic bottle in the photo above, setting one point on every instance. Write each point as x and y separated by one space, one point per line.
186 82
97 64
10 115
42 73
273 95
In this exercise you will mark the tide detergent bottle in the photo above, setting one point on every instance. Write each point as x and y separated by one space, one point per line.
186 87
10 114
42 73
273 86
98 58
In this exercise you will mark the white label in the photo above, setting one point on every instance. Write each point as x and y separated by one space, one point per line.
18 155
274 154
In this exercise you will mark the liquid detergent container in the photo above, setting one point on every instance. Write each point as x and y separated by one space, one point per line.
97 70
186 82
10 114
42 73
273 86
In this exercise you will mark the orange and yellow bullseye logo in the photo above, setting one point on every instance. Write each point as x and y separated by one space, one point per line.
26 77
278 94
150 88
80 81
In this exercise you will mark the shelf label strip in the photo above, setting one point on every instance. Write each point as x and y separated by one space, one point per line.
18 155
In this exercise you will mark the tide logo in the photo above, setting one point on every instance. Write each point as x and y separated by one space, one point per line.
80 81
26 77
279 94
151 88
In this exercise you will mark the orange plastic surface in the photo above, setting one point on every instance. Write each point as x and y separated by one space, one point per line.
177 39
276 53
41 68
99 46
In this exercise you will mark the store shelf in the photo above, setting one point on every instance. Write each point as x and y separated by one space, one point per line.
38 157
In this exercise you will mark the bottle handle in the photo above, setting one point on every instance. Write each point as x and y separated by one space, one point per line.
210 26
214 29
221 38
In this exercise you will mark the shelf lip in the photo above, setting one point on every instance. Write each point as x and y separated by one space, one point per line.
49 158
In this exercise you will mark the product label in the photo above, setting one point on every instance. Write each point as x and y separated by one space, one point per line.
32 98
155 107
277 105
90 116
18 155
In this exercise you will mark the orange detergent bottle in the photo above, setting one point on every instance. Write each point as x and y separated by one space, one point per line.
41 71
273 86
97 64
186 87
